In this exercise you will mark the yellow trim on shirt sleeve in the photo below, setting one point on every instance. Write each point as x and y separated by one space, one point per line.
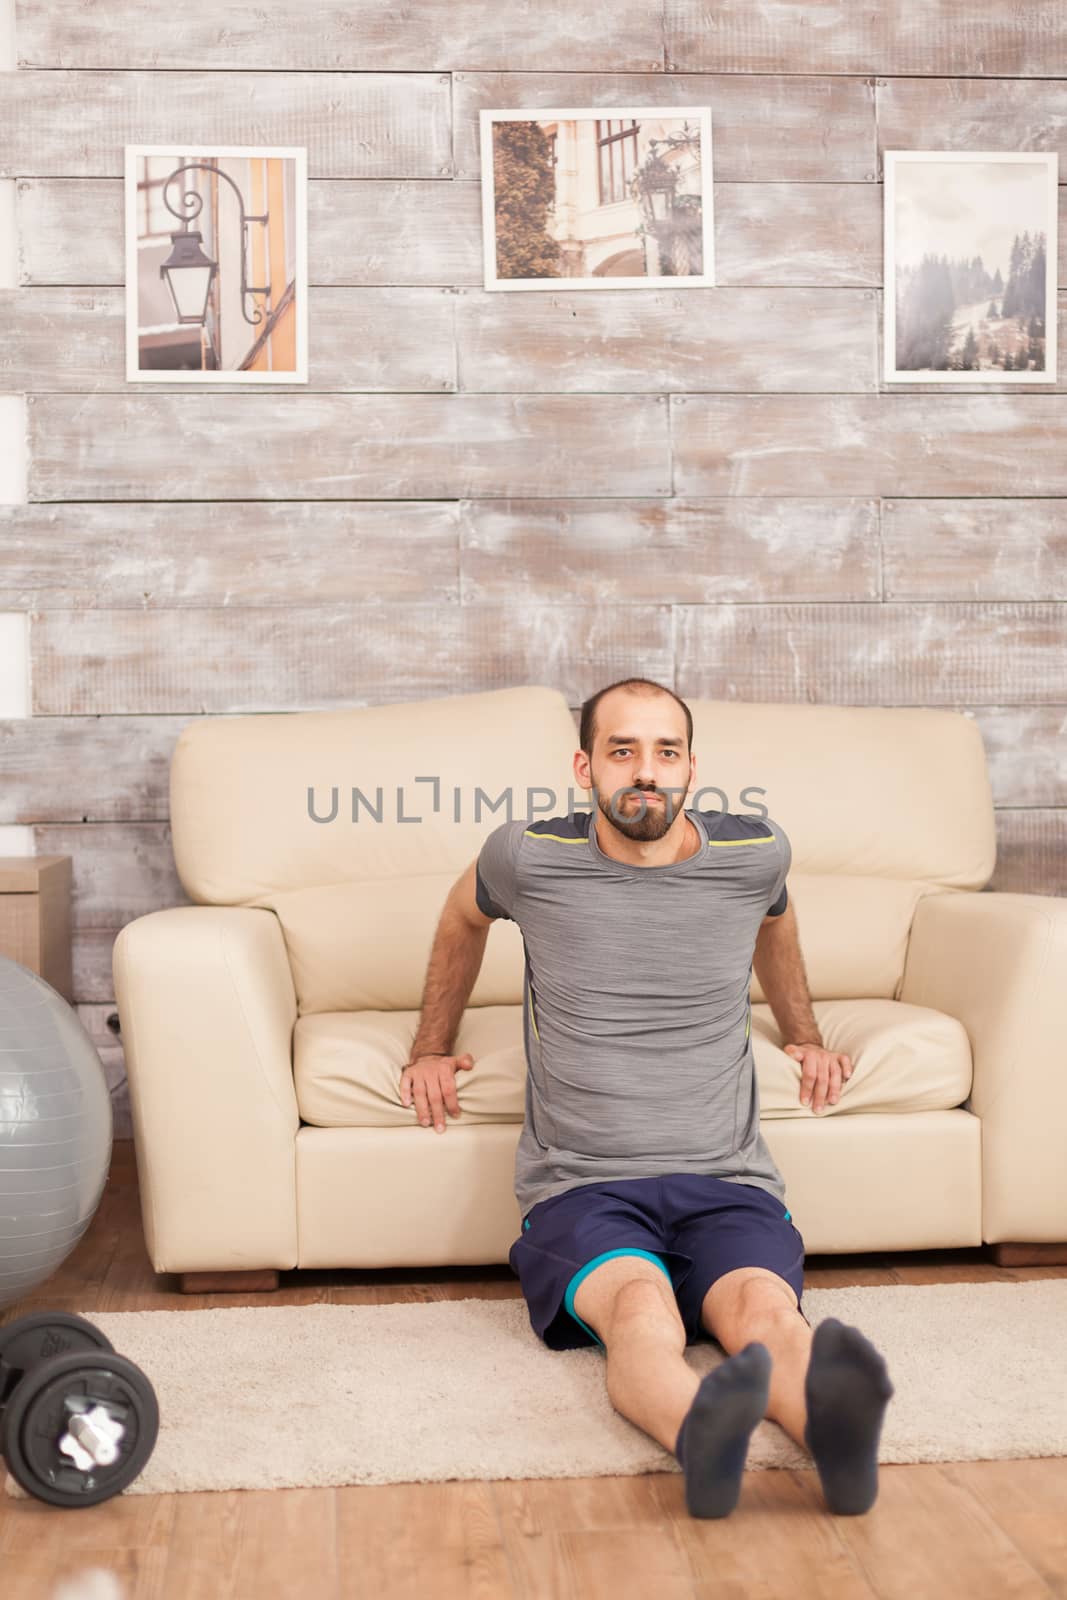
723 843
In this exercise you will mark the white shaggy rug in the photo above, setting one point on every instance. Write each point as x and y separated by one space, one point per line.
267 1398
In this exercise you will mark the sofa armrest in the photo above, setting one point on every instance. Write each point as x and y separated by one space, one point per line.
998 962
207 1007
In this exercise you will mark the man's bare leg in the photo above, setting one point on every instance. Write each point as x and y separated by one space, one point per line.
753 1303
829 1389
707 1423
648 1379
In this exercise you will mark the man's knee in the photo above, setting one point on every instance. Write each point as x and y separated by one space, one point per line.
744 1302
626 1292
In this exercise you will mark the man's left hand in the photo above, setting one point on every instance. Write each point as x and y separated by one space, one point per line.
822 1073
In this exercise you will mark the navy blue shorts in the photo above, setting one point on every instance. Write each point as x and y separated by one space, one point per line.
696 1228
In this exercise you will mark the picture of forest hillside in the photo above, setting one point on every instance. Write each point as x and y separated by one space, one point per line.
957 315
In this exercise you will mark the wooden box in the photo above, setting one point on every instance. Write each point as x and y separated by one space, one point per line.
35 896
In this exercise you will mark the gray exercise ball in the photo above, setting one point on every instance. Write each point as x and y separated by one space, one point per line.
55 1130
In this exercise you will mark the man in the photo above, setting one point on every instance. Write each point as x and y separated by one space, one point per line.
653 1212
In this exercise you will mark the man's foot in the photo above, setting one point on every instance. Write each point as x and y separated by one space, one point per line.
847 1389
713 1439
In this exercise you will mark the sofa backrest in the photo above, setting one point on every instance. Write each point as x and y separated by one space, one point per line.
881 806
359 901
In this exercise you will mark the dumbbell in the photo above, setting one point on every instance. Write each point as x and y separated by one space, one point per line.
77 1422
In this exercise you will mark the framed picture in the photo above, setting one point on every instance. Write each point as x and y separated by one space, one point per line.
216 264
970 267
610 198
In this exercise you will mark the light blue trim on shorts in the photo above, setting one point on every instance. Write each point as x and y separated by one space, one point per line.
568 1298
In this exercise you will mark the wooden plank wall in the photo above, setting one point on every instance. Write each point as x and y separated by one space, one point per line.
458 495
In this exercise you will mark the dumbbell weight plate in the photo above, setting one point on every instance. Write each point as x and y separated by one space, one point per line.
39 1414
41 1336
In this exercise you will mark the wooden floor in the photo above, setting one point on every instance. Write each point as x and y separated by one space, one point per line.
976 1529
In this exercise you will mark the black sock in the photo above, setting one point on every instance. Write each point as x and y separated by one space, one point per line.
713 1439
847 1389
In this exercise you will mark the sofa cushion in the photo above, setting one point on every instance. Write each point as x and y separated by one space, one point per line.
883 791
353 825
355 947
904 1058
347 1064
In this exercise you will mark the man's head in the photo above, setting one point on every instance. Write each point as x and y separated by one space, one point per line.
636 740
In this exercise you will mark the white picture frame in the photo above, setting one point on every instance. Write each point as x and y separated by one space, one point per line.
969 211
595 213
273 253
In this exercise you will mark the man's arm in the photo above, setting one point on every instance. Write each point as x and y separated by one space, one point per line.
455 961
779 966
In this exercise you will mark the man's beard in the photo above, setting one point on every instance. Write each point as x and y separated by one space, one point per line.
636 818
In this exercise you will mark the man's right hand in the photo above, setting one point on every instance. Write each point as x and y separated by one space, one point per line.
431 1082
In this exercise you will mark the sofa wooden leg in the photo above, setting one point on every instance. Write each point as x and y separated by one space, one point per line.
1030 1255
265 1278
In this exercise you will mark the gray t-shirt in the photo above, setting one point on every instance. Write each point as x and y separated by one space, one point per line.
636 1016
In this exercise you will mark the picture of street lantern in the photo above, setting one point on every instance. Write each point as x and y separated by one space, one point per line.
673 222
216 265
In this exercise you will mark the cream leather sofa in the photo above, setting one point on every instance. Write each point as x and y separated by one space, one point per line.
265 1025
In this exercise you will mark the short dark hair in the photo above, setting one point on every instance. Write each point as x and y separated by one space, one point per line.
587 726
